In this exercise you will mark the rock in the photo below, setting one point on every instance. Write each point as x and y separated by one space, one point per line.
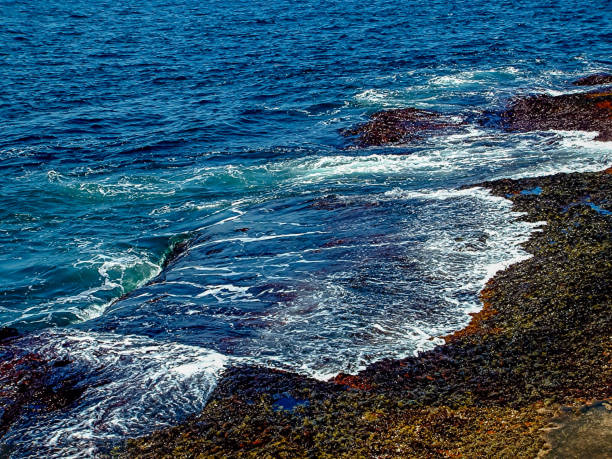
401 125
32 383
593 80
585 433
8 332
176 251
590 111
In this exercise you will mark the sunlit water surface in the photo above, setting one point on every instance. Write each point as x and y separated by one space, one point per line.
129 129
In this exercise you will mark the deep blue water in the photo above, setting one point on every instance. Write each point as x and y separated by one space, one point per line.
129 128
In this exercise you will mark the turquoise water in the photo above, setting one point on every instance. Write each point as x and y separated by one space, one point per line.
127 129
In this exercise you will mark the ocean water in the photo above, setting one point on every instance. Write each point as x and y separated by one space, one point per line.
129 128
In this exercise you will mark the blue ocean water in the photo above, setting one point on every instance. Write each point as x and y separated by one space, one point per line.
129 128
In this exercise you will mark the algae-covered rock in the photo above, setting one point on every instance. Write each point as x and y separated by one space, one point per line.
591 111
594 79
401 125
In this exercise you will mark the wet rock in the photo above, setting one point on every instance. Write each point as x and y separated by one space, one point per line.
351 381
591 111
31 382
177 249
399 126
8 332
335 243
593 80
329 202
274 292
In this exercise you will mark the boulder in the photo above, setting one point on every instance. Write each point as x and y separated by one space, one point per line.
400 125
593 80
591 111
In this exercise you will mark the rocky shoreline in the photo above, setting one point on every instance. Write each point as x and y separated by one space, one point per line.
516 382
531 370
539 347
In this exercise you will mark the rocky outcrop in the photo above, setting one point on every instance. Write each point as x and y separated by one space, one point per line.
594 80
591 111
401 125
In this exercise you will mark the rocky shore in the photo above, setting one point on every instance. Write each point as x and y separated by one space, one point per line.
530 376
521 380
540 347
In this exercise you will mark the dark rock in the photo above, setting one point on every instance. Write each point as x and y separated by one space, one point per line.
593 80
329 202
30 383
8 332
177 250
399 126
591 111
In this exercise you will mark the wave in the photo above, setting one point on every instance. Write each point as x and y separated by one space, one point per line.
132 386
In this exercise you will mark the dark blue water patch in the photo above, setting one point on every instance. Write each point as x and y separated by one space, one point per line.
598 209
536 191
286 402
587 202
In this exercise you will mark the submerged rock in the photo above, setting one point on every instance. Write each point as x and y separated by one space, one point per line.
593 80
401 125
591 111
31 382
177 249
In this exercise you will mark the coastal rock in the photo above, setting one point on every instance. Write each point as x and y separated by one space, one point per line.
594 80
8 332
591 111
583 431
177 249
31 382
401 125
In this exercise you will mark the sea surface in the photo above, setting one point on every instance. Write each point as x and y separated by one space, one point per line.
131 129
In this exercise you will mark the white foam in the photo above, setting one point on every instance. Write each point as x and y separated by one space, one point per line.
469 77
331 327
439 194
584 140
344 165
457 79
375 96
268 237
229 288
135 385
